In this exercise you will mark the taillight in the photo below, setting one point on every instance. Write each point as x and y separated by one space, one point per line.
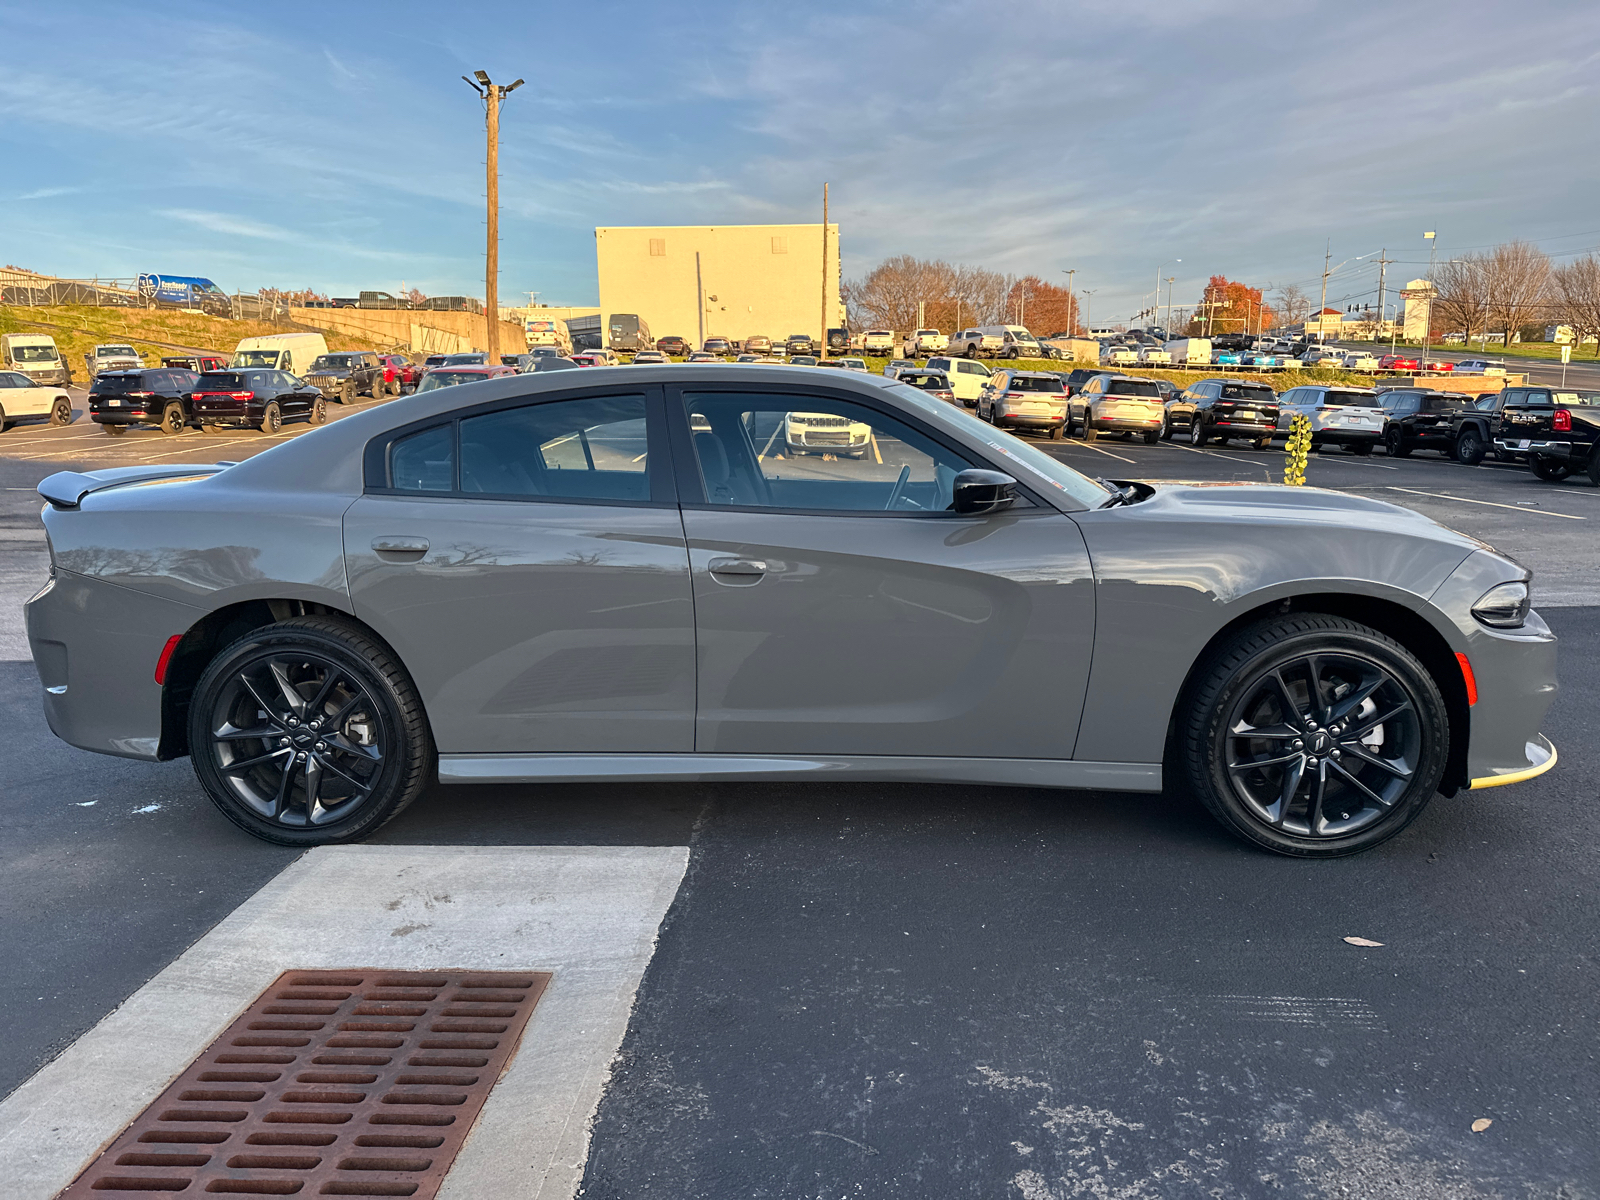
1563 421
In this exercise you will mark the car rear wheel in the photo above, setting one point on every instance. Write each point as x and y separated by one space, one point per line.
61 411
1314 736
1262 443
1058 432
1197 432
1394 445
271 418
1361 449
172 421
114 430
1151 438
1551 470
308 732
1469 448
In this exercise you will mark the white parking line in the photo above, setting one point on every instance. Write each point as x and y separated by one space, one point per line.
1097 450
1543 512
587 913
1254 462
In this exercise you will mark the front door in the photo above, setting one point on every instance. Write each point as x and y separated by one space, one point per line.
842 609
526 561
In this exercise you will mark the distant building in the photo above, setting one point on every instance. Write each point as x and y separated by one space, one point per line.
1418 295
700 281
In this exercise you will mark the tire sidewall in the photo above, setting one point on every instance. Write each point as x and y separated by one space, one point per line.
388 797
1206 748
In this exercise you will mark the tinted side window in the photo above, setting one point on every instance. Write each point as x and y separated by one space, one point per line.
593 448
424 461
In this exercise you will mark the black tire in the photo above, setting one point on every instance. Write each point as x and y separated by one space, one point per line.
369 769
1058 432
172 420
114 430
319 412
61 411
347 393
1088 425
1551 470
1470 448
1264 443
1166 429
1361 449
1197 431
1394 444
1151 438
271 418
1241 778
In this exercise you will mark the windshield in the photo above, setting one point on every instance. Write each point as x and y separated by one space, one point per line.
334 362
465 360
256 358
1027 383
434 380
117 351
33 354
555 364
1039 469
1131 387
1352 399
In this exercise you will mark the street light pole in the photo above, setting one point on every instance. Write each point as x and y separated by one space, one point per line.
1155 309
492 94
1072 300
1427 313
1087 309
1167 325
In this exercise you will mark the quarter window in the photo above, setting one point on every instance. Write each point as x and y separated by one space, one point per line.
593 448
424 461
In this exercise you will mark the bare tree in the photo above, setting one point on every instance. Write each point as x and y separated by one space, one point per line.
1290 304
1518 284
1461 300
887 298
1576 288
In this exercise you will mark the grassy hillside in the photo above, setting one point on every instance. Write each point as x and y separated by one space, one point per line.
78 328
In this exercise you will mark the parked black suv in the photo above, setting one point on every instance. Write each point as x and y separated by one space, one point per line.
1556 428
343 376
255 397
800 343
1419 419
1075 379
153 396
1223 409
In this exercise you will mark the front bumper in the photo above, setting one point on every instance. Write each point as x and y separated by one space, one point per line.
95 646
47 378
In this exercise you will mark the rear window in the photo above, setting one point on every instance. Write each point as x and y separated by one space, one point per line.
1025 383
221 381
1352 399
116 385
1132 387
929 381
1255 395
444 377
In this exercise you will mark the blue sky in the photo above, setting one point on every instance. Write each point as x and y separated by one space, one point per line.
334 145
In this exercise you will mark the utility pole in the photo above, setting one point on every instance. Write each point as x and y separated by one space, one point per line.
1323 303
492 94
1167 327
1383 266
700 298
1088 302
823 342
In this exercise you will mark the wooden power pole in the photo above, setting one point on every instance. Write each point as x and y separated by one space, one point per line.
492 94
822 352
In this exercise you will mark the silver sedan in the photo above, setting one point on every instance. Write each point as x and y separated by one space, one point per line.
631 573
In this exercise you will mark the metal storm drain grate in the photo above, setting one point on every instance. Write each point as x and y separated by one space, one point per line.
334 1083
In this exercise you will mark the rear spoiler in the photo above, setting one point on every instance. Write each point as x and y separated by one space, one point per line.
66 489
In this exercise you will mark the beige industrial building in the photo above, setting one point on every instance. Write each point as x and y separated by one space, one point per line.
700 281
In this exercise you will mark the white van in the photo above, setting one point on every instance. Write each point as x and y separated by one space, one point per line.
291 352
1190 350
34 355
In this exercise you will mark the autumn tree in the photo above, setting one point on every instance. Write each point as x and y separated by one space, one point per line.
1042 306
951 296
1229 307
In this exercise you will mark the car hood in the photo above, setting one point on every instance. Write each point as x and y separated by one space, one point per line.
1272 503
334 371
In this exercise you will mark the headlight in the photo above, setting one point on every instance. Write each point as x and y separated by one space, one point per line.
1504 606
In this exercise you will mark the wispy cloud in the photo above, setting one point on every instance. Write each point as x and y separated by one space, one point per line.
225 223
47 192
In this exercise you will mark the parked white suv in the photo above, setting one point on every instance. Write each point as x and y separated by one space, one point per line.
966 377
975 343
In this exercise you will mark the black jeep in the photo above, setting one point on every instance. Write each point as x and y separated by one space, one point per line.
345 375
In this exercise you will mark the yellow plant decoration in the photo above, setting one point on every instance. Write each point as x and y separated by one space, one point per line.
1299 451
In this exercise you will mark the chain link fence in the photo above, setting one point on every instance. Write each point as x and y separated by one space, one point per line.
27 290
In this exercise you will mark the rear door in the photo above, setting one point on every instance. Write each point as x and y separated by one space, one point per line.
842 609
527 562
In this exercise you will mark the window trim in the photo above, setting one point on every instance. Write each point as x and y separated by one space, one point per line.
659 473
691 488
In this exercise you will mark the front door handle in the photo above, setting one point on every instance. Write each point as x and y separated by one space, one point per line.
393 544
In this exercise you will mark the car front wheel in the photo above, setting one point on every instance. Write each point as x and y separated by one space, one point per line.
308 732
61 411
1313 736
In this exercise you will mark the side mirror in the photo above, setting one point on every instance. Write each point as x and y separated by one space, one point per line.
977 492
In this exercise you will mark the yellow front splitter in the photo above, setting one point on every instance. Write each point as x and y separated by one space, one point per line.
1542 751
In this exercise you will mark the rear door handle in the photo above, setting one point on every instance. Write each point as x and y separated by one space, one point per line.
393 544
737 566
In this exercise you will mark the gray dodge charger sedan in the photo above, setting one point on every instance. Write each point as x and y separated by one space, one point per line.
630 573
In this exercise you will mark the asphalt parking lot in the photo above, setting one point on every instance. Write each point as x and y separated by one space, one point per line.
902 990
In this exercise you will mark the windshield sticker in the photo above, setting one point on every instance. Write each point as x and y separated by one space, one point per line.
1024 463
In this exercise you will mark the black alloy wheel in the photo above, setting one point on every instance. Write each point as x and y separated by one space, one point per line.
172 421
1551 470
61 411
1394 444
347 393
308 732
1314 736
271 418
1469 448
319 411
